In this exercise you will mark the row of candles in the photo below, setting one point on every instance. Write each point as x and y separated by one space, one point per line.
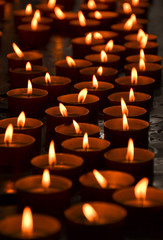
95 77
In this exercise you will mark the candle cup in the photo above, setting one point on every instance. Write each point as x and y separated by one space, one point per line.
57 87
31 39
44 21
33 127
108 35
8 194
52 200
149 58
19 15
91 102
133 112
35 58
133 48
139 12
138 131
100 6
19 76
141 166
111 4
80 49
92 191
68 165
45 10
141 99
113 60
108 18
64 132
144 84
108 74
77 30
45 228
133 37
54 118
103 90
93 157
62 69
112 222
18 101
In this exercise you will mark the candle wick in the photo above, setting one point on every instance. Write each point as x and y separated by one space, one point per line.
28 95
7 143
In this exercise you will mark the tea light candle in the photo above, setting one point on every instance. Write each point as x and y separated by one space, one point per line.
149 58
133 48
7 192
126 10
100 185
19 76
44 193
95 219
91 150
135 161
29 226
43 20
133 37
92 6
104 74
47 9
32 101
107 35
70 67
119 130
54 85
21 13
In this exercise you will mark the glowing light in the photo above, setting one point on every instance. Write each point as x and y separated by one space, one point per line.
140 189
127 8
97 15
134 76
77 127
94 82
100 71
59 13
21 120
8 134
82 95
91 4
52 154
90 213
51 4
100 179
131 95
125 123
109 46
124 107
28 67
27 222
47 78
82 20
88 38
142 64
28 9
34 24
46 179
17 50
130 151
85 142
63 110
70 61
29 88
104 57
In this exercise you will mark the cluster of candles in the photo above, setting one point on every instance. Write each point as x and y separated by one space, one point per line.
103 38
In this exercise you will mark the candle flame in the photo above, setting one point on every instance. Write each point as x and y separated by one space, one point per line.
130 151
51 4
131 95
144 41
46 178
8 134
142 64
97 15
59 13
135 3
127 8
82 95
140 189
91 4
82 20
100 71
133 18
28 67
100 179
63 110
37 15
47 78
52 154
34 24
104 57
134 76
109 46
28 9
124 107
128 24
70 61
77 127
89 213
29 88
85 142
94 82
97 35
142 55
27 222
140 35
21 120
17 50
125 123
88 38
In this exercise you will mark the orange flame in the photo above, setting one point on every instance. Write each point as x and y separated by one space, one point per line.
124 107
134 76
142 64
34 24
85 142
51 4
37 15
82 95
46 178
47 78
140 35
29 88
109 46
21 120
27 222
90 213
97 15
135 3
128 24
17 50
127 8
100 179
28 9
125 123
91 4
142 55
144 41
104 57
100 71
133 18
130 151
59 13
94 82
51 154
8 134
140 189
131 95
70 61
28 67
97 35
77 127
88 38
82 20
63 110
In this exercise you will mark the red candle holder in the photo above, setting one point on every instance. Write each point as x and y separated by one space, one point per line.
107 35
133 48
149 58
133 37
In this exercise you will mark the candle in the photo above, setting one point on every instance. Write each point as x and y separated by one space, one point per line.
70 67
44 193
133 48
137 36
19 76
126 10
21 13
104 74
135 161
100 185
107 35
47 9
62 164
96 219
32 101
91 150
42 20
119 130
18 58
92 6
29 226
54 85
111 4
